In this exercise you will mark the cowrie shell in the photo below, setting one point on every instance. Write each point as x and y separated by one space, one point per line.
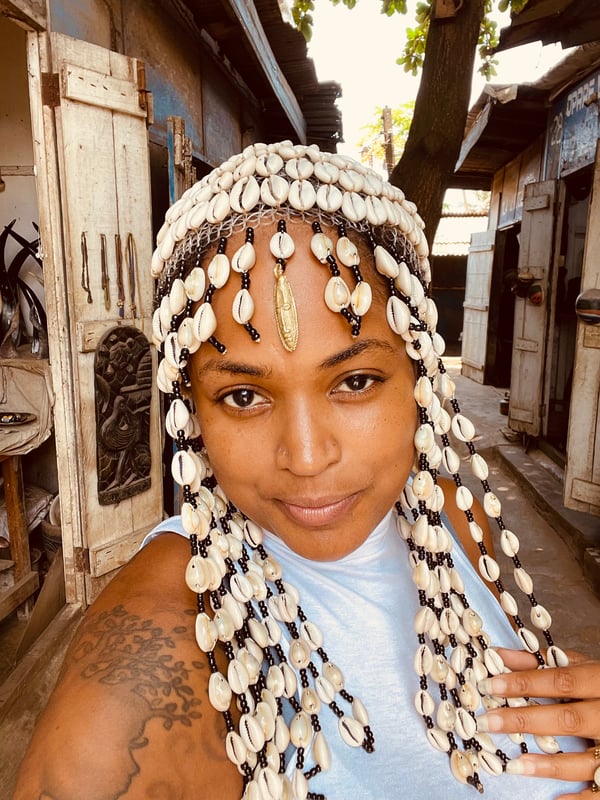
274 191
329 198
302 195
299 169
351 731
353 206
218 208
321 247
244 258
361 298
196 216
205 322
243 307
337 294
385 263
398 315
244 194
269 164
346 252
326 172
282 245
219 692
195 284
218 270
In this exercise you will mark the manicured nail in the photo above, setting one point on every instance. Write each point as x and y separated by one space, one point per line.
515 767
489 723
485 686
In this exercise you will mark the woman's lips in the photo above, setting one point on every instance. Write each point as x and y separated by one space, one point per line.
317 513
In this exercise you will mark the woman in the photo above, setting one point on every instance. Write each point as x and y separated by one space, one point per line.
331 637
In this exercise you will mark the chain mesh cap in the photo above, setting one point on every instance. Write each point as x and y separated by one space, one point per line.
286 180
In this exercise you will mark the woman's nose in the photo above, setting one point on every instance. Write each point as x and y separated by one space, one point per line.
307 442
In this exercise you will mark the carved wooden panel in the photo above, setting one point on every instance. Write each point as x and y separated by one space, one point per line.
123 387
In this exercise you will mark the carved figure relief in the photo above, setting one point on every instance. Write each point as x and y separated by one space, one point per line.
123 385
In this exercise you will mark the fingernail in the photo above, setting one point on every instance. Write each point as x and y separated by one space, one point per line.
489 723
495 685
515 767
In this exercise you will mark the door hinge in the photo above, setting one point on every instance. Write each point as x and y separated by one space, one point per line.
81 559
50 89
145 98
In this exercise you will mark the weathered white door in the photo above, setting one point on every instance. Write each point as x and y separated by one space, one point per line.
92 161
582 475
477 303
531 321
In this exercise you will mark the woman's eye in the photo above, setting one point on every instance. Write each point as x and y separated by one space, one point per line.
242 398
356 383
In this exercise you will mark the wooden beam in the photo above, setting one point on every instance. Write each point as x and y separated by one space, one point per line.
29 14
247 16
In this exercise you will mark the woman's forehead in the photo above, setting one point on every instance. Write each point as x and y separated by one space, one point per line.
321 330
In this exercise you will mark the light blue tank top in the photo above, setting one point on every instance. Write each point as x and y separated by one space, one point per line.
364 604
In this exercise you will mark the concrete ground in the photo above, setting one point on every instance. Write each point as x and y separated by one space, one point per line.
557 547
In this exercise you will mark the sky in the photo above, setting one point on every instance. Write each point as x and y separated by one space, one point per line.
358 48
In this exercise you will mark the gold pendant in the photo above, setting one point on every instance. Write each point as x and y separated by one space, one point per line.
285 310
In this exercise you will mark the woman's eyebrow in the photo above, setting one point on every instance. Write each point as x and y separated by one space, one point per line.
221 365
354 350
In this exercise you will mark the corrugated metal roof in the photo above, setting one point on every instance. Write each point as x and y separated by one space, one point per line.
505 119
316 100
570 22
453 235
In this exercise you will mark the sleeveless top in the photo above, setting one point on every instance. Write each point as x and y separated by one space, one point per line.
364 605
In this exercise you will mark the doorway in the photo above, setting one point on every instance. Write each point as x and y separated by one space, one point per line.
568 284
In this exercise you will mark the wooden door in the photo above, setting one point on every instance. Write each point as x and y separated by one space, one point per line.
531 322
476 305
582 475
92 161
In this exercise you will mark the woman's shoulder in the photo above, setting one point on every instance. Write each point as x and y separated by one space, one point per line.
131 712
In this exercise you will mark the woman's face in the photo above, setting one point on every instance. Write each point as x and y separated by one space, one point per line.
313 445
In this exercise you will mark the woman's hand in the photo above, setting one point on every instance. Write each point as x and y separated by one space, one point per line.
576 712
